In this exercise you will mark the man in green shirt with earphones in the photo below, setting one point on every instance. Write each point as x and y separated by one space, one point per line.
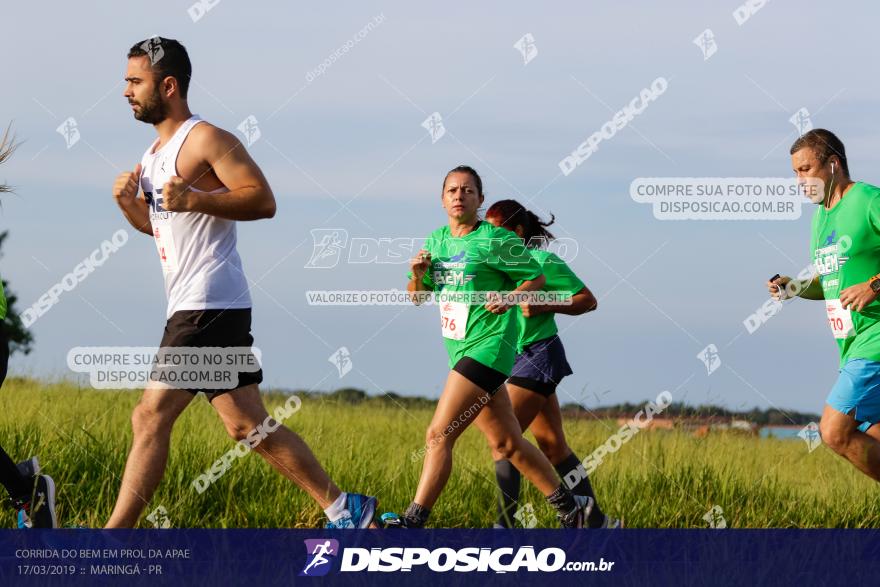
845 249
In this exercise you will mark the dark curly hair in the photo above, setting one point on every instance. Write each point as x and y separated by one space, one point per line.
511 214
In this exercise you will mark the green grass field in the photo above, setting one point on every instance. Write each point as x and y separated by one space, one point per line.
659 479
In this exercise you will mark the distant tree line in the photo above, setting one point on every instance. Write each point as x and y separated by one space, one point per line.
768 417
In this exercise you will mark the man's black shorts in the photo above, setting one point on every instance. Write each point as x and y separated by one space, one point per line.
212 328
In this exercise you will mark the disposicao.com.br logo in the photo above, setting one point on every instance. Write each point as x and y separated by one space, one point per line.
443 559
318 562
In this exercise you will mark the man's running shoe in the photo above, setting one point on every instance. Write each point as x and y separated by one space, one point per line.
39 510
611 523
360 510
577 518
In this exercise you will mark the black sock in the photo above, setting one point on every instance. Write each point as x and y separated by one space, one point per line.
562 500
508 478
416 515
18 486
582 487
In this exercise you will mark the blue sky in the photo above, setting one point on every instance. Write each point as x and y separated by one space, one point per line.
667 289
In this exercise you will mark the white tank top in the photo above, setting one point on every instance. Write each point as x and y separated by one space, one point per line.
199 260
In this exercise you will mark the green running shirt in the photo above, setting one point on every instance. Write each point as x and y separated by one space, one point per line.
486 259
560 279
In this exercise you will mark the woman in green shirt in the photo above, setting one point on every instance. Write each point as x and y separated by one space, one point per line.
458 263
541 363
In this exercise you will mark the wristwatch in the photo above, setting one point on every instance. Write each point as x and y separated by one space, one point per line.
874 282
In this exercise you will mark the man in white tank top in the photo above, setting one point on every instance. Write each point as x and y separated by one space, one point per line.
197 181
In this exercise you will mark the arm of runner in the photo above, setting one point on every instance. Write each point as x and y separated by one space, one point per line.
812 291
418 270
510 256
135 209
857 296
582 302
249 196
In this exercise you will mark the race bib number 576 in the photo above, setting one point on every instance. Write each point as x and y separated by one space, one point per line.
453 319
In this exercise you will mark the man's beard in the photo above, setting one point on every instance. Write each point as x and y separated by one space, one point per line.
153 111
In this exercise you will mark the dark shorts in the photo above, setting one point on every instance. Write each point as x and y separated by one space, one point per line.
541 366
212 328
486 378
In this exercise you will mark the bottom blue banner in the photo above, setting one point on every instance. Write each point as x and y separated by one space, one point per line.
362 557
